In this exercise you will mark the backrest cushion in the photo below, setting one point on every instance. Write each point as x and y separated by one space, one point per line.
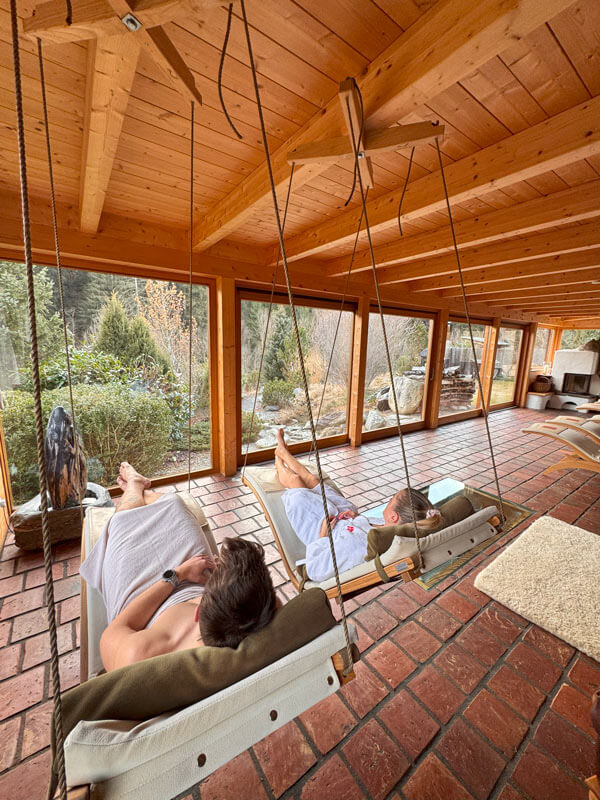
176 680
380 539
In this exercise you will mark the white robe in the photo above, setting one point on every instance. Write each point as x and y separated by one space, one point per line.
304 508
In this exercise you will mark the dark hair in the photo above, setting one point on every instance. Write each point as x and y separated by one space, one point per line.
239 597
401 505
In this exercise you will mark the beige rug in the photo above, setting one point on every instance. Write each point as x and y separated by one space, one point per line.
551 576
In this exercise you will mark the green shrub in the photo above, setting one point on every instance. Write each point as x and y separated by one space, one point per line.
277 393
200 438
87 366
250 380
116 424
251 430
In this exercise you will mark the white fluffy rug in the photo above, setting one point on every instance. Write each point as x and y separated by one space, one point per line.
551 575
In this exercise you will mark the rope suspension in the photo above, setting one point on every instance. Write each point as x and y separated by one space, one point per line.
385 339
59 263
220 75
340 599
191 296
266 334
37 401
467 315
404 188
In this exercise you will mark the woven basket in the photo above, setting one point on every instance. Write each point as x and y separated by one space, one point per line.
543 383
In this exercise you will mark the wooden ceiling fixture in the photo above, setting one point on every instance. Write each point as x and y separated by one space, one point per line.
370 142
116 30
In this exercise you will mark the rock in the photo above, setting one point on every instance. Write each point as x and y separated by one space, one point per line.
271 408
298 391
375 420
383 403
409 394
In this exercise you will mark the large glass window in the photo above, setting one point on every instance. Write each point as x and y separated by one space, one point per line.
281 400
408 339
572 339
506 364
129 362
540 348
460 387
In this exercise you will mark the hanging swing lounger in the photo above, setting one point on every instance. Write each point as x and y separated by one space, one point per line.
399 560
165 755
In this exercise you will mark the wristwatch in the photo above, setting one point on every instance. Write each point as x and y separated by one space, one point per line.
170 576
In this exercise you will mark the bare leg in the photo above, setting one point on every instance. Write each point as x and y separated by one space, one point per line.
133 485
288 478
308 480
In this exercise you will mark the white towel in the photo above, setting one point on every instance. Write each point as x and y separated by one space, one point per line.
137 546
304 508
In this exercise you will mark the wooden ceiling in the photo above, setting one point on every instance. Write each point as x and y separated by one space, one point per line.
514 82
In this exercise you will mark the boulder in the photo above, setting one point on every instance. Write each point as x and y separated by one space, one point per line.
375 420
383 403
409 394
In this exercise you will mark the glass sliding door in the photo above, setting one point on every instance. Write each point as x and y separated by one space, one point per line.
460 387
129 363
281 400
506 365
540 348
408 339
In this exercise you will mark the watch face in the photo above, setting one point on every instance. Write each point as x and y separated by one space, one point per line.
169 575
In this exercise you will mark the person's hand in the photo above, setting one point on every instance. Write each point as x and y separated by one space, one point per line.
332 521
349 514
197 569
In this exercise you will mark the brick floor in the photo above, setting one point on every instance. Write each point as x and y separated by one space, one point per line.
455 698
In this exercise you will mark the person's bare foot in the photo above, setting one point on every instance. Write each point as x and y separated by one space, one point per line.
121 483
128 473
281 448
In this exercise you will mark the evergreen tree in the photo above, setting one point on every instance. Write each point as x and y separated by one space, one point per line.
113 335
274 366
141 347
14 323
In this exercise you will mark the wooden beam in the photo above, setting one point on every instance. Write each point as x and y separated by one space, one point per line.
92 19
359 361
227 384
566 278
567 137
112 63
488 360
330 151
449 41
525 364
569 205
547 294
437 353
481 265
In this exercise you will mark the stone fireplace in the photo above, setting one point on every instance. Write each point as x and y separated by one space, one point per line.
575 377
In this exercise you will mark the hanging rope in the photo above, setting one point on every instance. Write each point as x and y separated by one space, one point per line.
191 296
467 315
266 334
59 265
410 161
221 66
348 659
37 405
339 319
385 339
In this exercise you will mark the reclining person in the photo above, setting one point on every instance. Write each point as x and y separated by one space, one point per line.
153 568
304 507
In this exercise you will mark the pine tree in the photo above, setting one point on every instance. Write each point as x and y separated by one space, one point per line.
275 366
141 348
113 335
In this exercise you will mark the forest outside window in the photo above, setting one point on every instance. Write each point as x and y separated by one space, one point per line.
281 399
129 340
408 340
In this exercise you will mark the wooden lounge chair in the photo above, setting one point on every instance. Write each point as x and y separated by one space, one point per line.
589 407
589 427
584 445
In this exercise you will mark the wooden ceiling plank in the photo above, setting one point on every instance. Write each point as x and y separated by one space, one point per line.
457 36
570 205
112 63
540 284
570 136
510 270
577 30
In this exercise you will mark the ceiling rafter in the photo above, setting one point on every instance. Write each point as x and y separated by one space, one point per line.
449 41
556 142
567 206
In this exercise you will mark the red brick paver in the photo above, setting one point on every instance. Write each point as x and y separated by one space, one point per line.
456 697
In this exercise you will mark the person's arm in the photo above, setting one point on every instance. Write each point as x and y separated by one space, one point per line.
332 521
126 640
